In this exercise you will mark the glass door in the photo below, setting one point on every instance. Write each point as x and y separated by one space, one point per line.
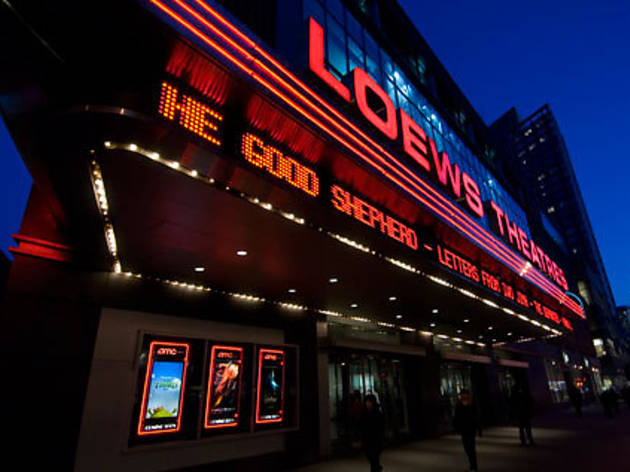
352 376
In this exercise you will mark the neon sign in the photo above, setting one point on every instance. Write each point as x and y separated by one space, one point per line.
218 36
271 159
457 263
192 114
516 236
351 205
415 143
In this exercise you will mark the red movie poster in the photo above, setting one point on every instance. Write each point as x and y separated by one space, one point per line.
223 397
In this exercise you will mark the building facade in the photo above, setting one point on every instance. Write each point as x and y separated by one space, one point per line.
245 217
537 151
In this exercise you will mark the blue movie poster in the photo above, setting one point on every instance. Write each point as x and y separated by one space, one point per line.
164 390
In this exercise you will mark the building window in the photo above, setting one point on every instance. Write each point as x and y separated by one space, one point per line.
584 293
556 382
599 347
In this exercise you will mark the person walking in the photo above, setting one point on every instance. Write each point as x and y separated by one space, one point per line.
524 409
466 423
575 397
372 432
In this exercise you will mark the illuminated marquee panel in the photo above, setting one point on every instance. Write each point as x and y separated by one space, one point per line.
193 115
270 390
471 271
225 379
163 390
272 160
351 205
242 53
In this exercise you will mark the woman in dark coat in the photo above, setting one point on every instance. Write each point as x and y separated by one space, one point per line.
372 432
466 423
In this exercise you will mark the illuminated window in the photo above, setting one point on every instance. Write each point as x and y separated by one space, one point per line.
599 347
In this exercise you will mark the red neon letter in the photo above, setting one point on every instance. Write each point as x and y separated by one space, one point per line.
499 212
512 230
534 251
524 243
542 259
445 171
473 195
316 59
414 140
362 81
562 281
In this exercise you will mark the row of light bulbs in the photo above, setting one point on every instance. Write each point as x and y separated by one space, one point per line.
103 206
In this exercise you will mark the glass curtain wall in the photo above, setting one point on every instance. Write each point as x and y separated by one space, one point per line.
349 45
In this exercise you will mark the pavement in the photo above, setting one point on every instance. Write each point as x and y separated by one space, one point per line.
563 443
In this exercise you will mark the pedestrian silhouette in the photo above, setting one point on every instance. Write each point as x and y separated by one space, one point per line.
575 397
467 424
372 432
524 410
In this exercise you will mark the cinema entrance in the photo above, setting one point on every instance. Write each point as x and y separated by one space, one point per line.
354 374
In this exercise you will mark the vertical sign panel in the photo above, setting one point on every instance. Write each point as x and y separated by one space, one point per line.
223 397
163 391
270 392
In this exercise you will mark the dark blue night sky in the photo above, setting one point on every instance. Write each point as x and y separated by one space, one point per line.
15 185
574 55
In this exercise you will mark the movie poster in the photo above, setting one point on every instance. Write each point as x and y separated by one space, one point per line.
223 403
270 398
163 388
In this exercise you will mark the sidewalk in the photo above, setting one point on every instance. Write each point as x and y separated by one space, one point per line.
564 443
